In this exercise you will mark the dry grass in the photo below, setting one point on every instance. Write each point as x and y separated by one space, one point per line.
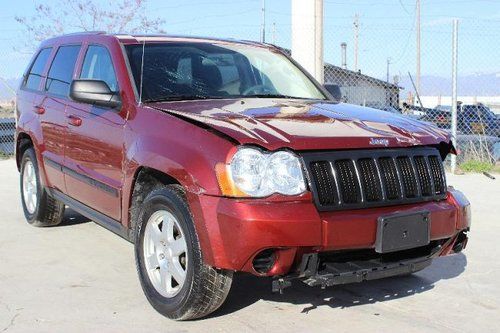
476 166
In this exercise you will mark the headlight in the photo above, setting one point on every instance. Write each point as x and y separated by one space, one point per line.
254 173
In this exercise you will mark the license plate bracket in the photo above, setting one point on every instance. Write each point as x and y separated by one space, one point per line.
402 231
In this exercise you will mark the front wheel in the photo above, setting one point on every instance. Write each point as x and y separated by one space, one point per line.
169 260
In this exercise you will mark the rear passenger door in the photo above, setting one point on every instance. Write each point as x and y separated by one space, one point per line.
94 145
51 105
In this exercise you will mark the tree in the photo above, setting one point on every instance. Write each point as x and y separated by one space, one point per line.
125 16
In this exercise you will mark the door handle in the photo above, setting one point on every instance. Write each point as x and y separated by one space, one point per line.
39 109
74 120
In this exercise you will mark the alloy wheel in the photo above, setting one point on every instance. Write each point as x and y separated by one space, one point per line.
165 253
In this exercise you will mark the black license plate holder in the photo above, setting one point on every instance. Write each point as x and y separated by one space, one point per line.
402 231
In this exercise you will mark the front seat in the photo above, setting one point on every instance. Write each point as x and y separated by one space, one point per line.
207 79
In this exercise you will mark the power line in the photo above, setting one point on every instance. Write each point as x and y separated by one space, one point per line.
196 4
195 19
403 53
404 7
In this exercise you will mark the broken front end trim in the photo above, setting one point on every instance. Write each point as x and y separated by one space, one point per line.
316 271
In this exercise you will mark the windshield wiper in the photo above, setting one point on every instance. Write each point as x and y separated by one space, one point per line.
180 98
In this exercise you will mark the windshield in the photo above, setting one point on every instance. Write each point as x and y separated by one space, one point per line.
177 71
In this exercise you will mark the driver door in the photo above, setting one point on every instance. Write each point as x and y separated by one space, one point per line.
94 144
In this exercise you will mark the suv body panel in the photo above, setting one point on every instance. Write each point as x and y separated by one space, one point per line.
301 125
97 163
298 225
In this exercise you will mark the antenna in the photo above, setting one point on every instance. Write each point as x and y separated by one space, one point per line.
263 23
142 71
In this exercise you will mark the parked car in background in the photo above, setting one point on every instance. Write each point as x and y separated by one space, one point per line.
414 110
217 156
478 119
439 116
444 108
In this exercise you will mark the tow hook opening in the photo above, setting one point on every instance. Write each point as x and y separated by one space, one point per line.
264 261
461 242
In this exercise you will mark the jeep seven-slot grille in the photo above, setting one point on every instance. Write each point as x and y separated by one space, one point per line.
372 178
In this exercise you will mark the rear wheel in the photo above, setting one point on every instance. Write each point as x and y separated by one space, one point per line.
169 261
40 209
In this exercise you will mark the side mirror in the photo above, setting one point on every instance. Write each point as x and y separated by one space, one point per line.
334 90
94 92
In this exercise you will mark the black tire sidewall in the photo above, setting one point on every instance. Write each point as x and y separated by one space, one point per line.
167 199
29 155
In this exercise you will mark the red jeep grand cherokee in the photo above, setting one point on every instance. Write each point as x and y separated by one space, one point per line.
216 156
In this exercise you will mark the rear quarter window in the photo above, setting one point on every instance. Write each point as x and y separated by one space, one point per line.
61 70
34 77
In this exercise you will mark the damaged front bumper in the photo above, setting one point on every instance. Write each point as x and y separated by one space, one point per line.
326 270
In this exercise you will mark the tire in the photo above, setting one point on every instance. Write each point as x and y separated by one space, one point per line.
40 209
204 288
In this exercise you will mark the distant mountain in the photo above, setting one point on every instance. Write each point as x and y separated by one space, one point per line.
468 85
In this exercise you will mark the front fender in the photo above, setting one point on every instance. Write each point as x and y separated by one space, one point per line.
182 151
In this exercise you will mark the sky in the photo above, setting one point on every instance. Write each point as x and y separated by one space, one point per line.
387 30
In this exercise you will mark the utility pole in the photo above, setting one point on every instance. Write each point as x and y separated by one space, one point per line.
319 73
356 40
388 65
343 50
307 36
418 46
263 23
454 92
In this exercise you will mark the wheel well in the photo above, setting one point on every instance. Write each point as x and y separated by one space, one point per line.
145 180
23 142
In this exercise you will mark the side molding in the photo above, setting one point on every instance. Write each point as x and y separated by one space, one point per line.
99 218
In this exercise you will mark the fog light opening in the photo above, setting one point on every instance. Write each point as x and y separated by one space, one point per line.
460 243
264 261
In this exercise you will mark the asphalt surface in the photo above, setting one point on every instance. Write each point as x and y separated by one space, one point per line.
79 277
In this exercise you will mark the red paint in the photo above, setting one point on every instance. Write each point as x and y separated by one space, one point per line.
111 146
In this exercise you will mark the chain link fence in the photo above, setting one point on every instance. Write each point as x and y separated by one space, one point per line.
373 70
382 74
374 64
7 122
8 85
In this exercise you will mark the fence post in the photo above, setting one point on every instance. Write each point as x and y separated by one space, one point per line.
454 106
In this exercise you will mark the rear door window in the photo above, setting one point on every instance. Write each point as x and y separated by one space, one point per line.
35 74
98 66
61 70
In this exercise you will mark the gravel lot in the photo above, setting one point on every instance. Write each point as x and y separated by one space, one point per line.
78 277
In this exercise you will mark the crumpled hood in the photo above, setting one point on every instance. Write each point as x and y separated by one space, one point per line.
303 125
